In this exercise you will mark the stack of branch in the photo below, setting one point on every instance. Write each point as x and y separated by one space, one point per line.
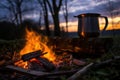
75 73
41 62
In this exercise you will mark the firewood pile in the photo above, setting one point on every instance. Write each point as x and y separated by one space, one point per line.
34 64
41 68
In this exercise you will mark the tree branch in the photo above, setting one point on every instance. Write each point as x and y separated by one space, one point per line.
4 6
50 6
60 3
80 72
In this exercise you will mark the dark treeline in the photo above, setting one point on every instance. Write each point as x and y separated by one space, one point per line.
8 31
17 9
11 31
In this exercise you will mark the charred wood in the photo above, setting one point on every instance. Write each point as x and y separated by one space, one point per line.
38 73
36 66
46 63
25 71
31 55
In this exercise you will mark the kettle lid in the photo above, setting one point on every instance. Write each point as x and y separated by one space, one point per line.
88 14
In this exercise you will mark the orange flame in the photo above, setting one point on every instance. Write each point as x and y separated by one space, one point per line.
36 42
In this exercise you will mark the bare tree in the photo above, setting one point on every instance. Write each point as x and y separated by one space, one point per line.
40 18
65 13
15 7
43 4
54 6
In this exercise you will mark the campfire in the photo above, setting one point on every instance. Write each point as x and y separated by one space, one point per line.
34 43
37 55
39 60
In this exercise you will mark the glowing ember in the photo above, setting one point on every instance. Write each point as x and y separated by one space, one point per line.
22 64
35 42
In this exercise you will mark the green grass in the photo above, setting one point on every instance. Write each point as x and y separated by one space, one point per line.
111 72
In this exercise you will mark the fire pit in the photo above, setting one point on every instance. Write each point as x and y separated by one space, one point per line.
36 65
37 59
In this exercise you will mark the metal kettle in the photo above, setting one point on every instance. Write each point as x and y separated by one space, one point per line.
88 25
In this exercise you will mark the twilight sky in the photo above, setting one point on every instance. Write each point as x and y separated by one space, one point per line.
91 6
76 7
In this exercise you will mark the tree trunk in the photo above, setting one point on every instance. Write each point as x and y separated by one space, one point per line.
47 25
19 12
54 9
56 25
66 14
46 18
43 5
16 19
40 19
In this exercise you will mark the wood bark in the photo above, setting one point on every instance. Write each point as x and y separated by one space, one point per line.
31 55
38 73
46 63
80 72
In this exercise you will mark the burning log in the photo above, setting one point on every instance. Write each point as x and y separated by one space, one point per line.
31 55
20 63
47 64
36 66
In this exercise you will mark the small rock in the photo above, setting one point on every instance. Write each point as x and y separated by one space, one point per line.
78 62
2 62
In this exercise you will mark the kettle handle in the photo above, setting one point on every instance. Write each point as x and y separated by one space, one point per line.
106 24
